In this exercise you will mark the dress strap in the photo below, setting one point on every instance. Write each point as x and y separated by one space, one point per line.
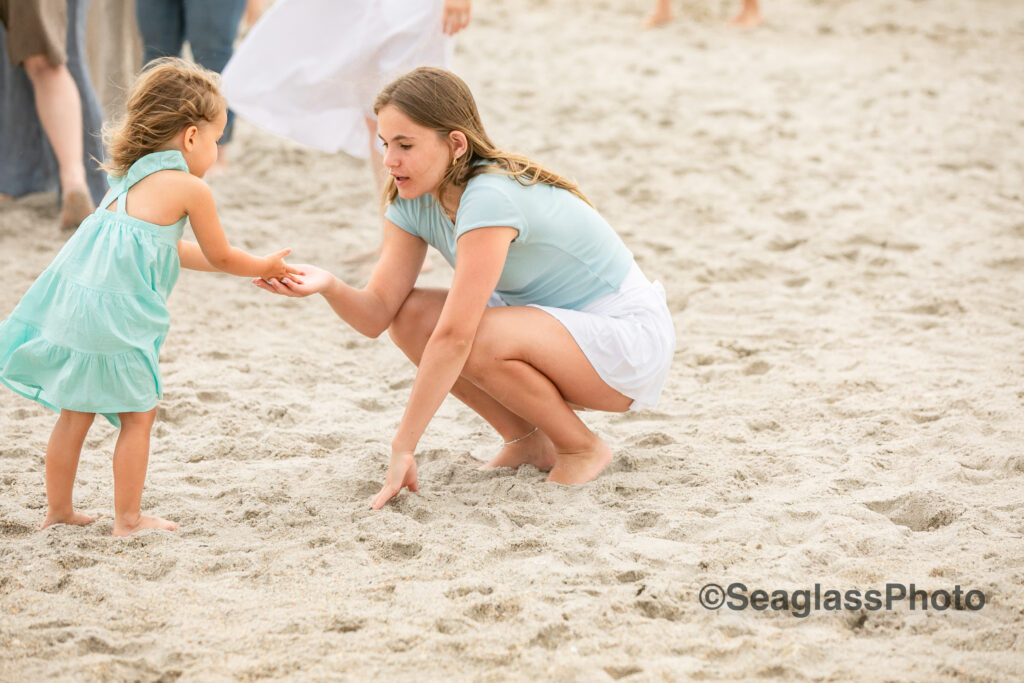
147 165
105 202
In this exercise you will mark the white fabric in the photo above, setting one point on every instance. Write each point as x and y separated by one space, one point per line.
627 336
309 70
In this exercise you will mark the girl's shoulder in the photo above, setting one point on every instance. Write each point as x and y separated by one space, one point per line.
160 189
491 180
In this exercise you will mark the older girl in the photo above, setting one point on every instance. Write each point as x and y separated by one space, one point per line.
547 312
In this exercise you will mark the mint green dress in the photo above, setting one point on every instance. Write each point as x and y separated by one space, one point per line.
87 334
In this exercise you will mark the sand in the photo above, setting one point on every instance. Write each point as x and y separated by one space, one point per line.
835 204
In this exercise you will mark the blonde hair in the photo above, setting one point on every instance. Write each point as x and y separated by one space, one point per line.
168 96
440 100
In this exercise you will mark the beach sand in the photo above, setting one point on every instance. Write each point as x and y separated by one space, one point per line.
835 205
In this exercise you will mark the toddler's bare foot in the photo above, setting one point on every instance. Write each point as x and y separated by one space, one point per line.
657 18
76 207
582 466
76 518
536 450
124 528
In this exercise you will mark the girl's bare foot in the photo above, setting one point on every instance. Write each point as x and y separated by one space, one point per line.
536 450
123 528
747 18
76 518
658 17
581 467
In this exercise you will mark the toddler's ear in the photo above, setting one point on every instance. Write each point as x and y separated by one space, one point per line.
189 138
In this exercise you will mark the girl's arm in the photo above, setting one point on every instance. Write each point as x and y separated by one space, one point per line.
202 214
369 310
191 257
481 258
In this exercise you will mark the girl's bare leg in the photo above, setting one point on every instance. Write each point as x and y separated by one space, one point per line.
131 456
525 361
749 16
410 331
62 454
661 14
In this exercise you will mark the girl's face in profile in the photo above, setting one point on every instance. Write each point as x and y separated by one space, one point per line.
416 157
203 142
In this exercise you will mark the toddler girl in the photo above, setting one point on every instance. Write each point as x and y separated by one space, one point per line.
86 337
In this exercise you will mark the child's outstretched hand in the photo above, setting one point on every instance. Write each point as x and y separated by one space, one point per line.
314 281
277 268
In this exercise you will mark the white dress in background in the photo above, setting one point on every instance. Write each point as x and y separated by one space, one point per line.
309 70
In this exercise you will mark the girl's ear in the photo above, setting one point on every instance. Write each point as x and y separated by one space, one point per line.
189 138
458 142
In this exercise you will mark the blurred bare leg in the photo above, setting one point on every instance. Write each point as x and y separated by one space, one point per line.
60 113
749 16
661 14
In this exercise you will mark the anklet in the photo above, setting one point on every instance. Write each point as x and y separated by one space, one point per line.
529 433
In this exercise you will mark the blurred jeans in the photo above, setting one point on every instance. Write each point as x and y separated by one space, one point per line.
209 26
27 162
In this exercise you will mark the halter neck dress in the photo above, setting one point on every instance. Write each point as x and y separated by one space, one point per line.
86 336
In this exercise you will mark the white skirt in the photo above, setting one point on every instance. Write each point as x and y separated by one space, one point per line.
627 336
309 70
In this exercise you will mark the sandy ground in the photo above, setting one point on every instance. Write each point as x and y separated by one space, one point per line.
835 204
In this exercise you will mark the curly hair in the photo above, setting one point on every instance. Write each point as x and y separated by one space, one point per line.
168 96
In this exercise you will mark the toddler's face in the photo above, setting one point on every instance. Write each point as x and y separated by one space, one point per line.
204 150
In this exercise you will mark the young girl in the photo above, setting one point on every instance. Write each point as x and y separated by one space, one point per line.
86 337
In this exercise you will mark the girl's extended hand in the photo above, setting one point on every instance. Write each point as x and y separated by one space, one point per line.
313 281
401 474
455 16
277 268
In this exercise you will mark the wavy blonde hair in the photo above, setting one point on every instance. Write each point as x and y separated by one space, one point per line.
168 96
440 100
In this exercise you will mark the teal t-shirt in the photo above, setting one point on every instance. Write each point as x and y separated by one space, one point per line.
565 255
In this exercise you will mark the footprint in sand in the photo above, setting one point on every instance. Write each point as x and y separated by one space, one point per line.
494 610
655 606
551 636
463 591
642 520
918 511
759 367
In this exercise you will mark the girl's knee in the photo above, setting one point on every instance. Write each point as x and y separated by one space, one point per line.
486 353
414 321
138 420
75 419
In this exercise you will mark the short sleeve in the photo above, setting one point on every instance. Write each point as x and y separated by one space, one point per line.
486 205
403 214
